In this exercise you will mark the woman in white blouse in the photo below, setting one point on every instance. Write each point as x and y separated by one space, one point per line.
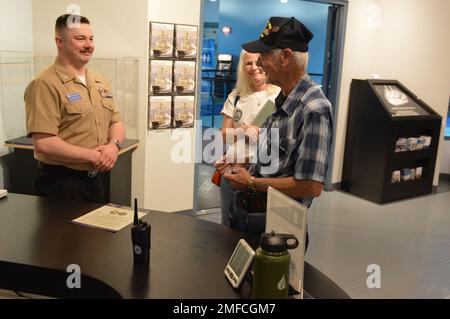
239 111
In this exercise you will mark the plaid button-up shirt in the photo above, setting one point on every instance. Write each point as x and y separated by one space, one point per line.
304 124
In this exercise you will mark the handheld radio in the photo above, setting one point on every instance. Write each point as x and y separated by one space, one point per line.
140 236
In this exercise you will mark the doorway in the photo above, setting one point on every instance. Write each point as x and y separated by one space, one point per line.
326 18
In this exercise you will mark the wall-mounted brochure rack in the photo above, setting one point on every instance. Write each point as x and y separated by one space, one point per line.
172 75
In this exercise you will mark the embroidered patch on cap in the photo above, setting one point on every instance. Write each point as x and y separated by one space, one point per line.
269 29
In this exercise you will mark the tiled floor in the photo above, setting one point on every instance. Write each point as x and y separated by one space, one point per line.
409 240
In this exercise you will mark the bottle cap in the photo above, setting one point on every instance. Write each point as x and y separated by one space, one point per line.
277 243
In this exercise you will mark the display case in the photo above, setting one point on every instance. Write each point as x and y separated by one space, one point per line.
17 163
18 69
391 142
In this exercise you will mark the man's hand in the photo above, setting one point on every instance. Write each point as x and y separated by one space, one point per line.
238 178
222 166
225 167
94 158
108 157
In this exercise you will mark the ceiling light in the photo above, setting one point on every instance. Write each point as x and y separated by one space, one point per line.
226 29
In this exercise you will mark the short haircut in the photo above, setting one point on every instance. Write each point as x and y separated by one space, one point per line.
300 58
63 22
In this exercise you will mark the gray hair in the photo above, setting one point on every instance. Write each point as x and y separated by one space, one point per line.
243 87
301 58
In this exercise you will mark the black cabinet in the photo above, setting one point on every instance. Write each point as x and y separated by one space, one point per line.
391 142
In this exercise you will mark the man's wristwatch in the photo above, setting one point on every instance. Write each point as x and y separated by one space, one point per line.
117 143
251 183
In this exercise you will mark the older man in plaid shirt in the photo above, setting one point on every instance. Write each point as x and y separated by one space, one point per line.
302 117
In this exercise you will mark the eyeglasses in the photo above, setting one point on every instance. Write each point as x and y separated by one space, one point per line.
250 64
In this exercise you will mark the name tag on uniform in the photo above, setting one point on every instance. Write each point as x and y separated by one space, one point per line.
74 97
105 93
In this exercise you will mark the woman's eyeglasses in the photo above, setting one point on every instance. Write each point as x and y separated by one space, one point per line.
250 64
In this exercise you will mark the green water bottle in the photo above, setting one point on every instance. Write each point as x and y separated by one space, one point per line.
271 266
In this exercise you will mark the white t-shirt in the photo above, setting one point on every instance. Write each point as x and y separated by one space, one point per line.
82 78
247 107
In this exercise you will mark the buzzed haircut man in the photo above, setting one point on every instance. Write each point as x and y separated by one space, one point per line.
65 20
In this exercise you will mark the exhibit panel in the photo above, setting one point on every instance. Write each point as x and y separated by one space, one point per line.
391 142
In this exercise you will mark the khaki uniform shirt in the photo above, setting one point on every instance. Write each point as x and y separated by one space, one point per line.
58 103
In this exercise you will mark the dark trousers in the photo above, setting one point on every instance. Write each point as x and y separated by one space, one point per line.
65 183
250 222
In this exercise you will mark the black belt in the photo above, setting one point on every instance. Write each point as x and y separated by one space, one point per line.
59 169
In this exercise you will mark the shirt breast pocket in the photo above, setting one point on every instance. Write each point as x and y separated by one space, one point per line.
76 108
286 146
76 118
108 110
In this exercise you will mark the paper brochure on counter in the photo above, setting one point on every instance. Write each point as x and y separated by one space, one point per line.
287 216
108 217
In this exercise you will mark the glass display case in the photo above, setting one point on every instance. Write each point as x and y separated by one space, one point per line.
18 69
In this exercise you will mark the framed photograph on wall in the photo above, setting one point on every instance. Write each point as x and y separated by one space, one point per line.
183 115
159 112
160 81
186 41
161 40
184 77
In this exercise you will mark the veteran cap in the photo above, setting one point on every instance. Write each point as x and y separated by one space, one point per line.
281 33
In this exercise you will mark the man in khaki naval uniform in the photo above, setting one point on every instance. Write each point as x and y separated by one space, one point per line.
72 118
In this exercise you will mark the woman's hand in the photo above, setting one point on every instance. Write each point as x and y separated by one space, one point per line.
251 131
